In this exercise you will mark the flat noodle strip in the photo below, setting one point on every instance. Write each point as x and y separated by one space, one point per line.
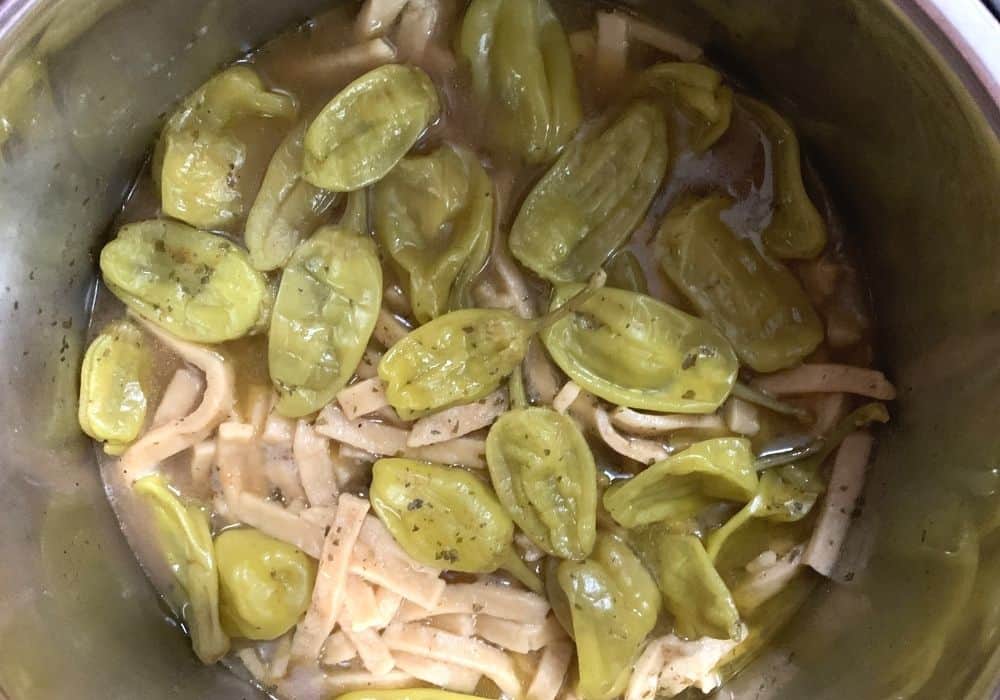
274 521
652 425
388 603
328 592
439 673
278 666
639 449
551 672
372 650
396 575
462 624
828 378
180 397
338 649
566 396
311 452
521 637
612 49
336 684
202 460
376 438
481 598
463 451
846 482
145 455
362 398
360 607
663 40
389 329
467 652
454 422
377 16
239 463
741 416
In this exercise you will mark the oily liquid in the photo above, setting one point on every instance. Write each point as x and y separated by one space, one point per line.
304 62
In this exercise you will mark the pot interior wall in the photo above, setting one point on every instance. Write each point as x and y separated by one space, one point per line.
84 84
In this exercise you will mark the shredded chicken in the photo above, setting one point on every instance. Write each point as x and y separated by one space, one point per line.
653 424
670 665
389 329
521 637
362 398
180 397
338 649
768 579
611 56
551 672
827 378
145 455
376 17
438 673
662 40
467 652
846 482
311 452
328 591
496 600
567 395
639 449
457 421
463 451
372 437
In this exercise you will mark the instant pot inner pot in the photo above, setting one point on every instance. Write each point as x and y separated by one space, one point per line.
916 164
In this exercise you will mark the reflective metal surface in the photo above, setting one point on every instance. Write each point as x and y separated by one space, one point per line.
891 110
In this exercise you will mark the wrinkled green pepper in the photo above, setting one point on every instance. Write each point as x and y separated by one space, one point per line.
625 272
433 217
756 302
324 315
693 592
522 72
796 229
591 199
614 604
183 533
197 285
462 356
633 350
698 91
445 517
362 133
787 494
265 585
680 486
543 472
197 159
287 208
112 397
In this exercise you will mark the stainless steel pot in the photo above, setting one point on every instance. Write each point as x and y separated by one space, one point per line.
898 103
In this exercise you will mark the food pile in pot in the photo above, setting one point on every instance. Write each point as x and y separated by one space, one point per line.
481 350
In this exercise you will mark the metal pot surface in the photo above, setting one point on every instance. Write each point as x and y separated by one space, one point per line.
897 102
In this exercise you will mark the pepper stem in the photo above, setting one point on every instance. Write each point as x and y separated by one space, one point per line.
513 565
515 387
572 304
355 217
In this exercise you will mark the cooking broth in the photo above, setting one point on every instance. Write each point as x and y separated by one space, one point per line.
412 646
